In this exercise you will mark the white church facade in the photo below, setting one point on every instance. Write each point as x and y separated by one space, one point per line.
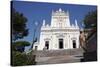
61 34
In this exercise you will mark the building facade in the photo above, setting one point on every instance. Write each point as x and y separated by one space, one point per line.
61 34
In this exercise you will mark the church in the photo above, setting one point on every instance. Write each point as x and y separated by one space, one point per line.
61 34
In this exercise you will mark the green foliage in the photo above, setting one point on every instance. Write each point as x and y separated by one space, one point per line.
17 44
19 29
90 19
20 59
22 43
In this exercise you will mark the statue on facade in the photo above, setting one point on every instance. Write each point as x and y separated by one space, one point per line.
43 22
82 39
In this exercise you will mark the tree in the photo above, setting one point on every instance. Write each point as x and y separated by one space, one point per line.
19 31
19 57
18 21
90 20
20 46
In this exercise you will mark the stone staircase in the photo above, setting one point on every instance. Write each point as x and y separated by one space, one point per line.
58 56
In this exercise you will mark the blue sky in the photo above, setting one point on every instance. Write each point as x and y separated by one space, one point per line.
37 11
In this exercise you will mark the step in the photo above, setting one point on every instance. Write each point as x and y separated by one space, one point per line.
58 56
50 53
57 59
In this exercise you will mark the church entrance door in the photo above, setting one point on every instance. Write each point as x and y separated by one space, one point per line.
47 44
74 44
36 47
60 43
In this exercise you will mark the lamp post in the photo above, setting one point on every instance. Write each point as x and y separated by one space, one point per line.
30 50
35 29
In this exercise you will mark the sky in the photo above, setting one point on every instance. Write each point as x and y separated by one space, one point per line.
37 12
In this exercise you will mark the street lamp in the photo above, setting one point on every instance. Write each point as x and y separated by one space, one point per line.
34 39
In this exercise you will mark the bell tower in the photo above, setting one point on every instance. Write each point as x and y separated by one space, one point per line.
60 19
